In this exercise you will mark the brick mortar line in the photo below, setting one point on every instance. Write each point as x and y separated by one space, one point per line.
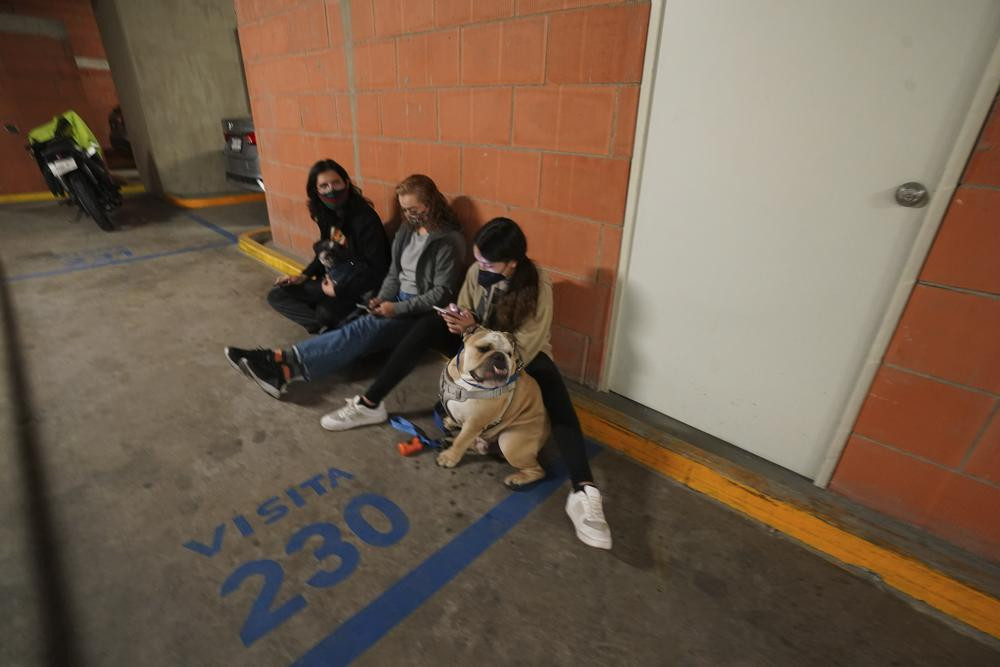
503 147
937 378
257 60
539 208
979 436
347 27
284 10
960 473
960 290
503 19
259 21
499 84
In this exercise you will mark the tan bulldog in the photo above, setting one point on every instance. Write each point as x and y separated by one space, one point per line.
487 399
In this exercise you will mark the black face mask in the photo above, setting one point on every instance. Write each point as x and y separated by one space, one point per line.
488 279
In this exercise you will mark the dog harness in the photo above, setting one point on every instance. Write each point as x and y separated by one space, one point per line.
449 390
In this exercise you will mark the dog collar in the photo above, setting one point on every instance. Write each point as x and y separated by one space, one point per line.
480 392
449 390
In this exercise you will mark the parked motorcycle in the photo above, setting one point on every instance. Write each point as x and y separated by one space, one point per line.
70 159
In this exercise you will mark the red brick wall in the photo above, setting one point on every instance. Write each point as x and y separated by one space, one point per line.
926 446
85 41
522 108
34 89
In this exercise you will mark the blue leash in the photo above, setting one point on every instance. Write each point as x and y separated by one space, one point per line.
406 426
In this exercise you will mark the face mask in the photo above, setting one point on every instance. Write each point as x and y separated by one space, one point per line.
487 278
416 219
334 198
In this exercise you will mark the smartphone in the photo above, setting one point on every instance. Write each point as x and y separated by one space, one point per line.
442 310
363 306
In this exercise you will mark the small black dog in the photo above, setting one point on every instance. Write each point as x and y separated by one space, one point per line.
327 252
331 256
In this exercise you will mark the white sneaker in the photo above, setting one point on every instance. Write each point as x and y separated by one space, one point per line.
352 415
587 514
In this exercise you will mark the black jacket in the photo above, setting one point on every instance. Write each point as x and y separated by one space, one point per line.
366 249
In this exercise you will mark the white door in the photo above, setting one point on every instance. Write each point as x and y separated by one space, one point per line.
767 239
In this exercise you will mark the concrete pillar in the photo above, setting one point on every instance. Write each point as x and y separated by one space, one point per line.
177 67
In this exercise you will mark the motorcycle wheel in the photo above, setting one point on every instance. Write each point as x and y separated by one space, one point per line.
87 198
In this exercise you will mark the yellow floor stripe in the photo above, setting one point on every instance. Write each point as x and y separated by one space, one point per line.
898 570
902 572
250 243
203 202
18 198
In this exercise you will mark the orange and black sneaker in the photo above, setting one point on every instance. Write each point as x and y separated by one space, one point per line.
235 354
272 375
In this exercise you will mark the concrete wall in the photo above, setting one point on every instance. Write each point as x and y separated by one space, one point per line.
525 109
926 446
177 68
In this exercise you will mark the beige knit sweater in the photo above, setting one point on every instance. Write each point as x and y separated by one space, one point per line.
533 334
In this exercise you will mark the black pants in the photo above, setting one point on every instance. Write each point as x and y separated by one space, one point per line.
431 332
306 304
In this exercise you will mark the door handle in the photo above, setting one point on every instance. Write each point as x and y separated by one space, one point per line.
911 195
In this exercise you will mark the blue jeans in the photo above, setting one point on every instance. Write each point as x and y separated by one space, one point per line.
328 352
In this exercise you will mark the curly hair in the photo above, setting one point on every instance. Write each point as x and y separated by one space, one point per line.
314 204
501 240
440 215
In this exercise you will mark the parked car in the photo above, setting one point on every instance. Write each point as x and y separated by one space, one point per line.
240 151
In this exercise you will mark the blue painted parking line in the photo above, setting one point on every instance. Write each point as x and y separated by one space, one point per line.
215 228
116 261
360 632
108 258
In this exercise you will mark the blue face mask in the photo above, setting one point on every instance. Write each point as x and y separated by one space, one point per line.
487 278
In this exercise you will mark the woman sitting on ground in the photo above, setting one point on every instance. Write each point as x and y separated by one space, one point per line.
503 290
427 259
356 242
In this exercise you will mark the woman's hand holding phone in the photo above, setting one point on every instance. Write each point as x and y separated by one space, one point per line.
457 319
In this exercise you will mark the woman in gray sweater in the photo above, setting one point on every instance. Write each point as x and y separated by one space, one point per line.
427 260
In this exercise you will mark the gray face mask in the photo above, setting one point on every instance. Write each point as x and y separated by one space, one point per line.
416 219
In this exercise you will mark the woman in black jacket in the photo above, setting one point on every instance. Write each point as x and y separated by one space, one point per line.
351 233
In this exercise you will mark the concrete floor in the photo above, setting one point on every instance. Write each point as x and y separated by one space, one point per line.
151 441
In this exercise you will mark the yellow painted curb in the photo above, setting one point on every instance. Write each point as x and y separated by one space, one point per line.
905 574
250 244
47 196
204 202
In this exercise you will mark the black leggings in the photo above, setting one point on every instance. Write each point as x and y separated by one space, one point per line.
431 332
306 304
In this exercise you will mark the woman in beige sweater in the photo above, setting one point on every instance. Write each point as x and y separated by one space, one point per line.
504 291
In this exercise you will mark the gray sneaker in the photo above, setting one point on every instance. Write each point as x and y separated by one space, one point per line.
587 514
354 414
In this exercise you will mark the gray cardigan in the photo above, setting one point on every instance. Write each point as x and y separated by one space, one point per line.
438 270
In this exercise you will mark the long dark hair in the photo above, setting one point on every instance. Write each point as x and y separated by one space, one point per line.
440 215
316 206
501 240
